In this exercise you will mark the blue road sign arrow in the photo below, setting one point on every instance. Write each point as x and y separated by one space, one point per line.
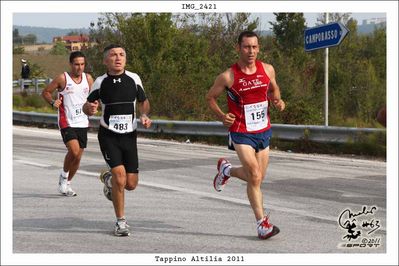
324 36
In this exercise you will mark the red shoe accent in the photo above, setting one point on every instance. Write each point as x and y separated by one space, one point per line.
214 182
220 162
265 223
274 232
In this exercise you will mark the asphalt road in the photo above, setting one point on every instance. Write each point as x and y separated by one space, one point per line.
176 210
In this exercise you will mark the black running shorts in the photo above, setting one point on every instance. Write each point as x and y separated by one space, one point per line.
119 149
78 133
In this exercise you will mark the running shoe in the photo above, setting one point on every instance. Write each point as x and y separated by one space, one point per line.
266 229
122 228
63 184
107 192
104 178
220 179
70 192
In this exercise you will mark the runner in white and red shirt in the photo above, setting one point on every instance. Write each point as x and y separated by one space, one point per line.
250 86
73 88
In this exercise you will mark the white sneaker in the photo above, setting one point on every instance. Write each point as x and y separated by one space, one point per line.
70 192
63 184
107 192
105 179
122 228
221 178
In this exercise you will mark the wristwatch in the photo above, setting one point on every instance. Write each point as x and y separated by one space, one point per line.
52 103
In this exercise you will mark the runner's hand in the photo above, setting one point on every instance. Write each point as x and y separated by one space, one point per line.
93 107
279 104
145 121
57 103
228 119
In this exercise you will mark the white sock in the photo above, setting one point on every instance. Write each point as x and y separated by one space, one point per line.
259 222
120 219
64 174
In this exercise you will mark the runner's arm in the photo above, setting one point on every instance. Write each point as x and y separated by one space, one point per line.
144 109
91 105
47 93
274 93
89 80
222 82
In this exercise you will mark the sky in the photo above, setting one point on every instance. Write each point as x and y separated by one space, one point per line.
83 20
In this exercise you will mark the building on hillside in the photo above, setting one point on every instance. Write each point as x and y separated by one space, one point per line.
74 42
374 21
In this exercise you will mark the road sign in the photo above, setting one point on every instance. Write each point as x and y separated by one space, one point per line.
324 36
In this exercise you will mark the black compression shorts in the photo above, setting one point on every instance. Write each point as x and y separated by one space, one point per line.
119 149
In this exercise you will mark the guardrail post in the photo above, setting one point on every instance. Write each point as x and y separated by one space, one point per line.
36 82
21 84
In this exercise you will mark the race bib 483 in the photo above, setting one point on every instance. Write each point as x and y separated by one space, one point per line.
121 123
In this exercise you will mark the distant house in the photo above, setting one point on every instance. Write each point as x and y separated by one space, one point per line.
74 42
374 21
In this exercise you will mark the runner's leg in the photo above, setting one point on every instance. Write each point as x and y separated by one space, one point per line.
251 173
72 158
118 189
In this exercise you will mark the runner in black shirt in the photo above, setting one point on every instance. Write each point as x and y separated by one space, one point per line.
118 90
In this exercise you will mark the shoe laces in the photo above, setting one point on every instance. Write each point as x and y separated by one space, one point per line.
265 222
122 224
225 177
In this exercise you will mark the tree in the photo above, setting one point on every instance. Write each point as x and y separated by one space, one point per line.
73 33
30 39
59 49
16 38
288 29
334 17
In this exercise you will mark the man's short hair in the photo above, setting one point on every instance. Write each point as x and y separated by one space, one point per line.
76 54
247 34
111 46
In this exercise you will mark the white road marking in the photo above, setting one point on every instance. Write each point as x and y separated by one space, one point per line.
32 163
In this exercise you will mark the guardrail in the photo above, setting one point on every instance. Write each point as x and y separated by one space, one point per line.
280 131
21 83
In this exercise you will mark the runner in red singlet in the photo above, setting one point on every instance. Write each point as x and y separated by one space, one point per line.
251 86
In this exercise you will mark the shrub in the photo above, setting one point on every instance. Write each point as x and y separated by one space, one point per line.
35 100
17 100
18 50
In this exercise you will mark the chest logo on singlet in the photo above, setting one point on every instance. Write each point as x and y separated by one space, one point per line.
250 84
69 89
117 80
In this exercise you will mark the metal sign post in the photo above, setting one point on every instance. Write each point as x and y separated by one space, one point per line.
330 34
326 83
